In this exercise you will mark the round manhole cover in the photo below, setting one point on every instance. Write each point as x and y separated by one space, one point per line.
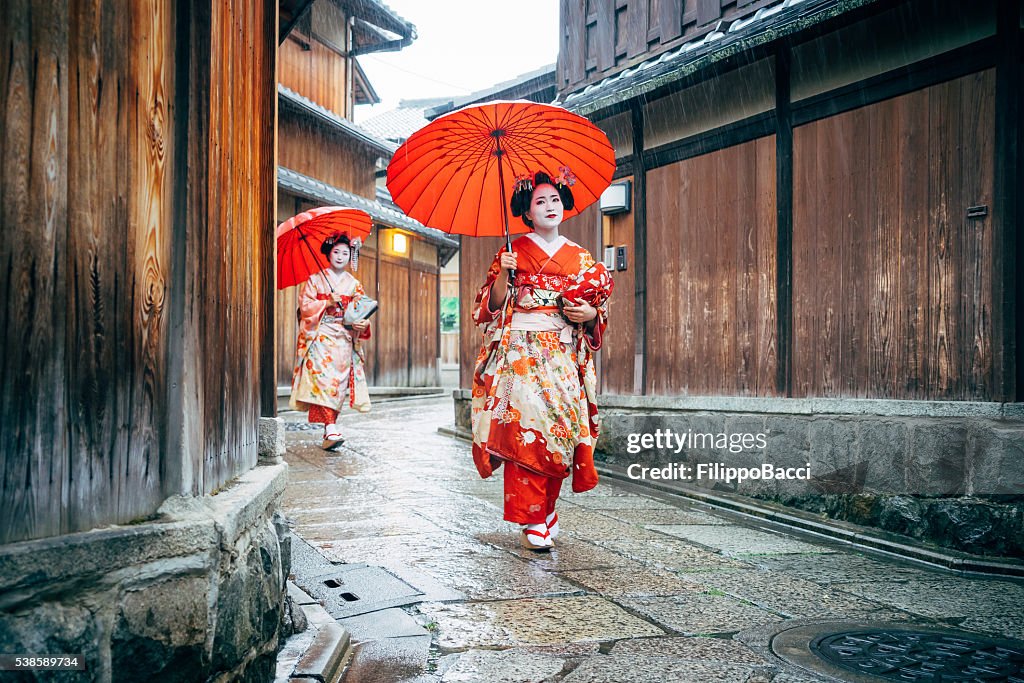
920 656
901 652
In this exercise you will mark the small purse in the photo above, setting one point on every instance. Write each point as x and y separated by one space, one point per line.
360 308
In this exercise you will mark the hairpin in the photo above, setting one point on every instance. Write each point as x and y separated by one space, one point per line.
524 183
356 244
565 176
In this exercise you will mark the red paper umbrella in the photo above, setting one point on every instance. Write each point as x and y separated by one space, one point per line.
457 172
300 237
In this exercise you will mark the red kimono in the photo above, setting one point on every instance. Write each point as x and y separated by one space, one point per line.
534 385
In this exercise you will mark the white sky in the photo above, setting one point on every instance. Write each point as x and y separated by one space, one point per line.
462 46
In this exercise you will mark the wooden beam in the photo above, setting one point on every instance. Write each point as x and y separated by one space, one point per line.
1008 254
267 248
191 152
783 224
640 251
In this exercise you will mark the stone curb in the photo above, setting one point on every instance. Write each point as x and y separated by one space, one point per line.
843 532
455 433
331 650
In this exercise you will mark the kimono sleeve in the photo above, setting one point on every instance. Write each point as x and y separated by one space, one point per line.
312 304
482 313
598 282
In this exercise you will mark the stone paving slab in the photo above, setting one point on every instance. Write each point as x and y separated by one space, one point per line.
373 527
569 553
622 582
1003 626
691 649
503 666
406 549
648 518
742 541
497 579
593 525
301 517
946 598
674 555
533 622
840 567
644 669
385 623
618 502
786 595
700 614
389 659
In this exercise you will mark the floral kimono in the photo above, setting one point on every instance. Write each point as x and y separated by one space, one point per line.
534 385
329 363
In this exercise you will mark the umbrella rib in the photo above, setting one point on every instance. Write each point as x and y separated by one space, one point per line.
448 182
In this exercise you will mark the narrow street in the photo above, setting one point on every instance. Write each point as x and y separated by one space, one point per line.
638 588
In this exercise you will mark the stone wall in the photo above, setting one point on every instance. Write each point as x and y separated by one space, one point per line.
951 473
195 594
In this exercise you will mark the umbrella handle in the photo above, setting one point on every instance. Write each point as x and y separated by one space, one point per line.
311 253
499 152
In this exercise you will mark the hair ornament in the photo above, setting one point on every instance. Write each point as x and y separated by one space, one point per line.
565 176
523 183
356 244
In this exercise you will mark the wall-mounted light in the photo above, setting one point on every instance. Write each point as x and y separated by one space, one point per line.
616 198
399 243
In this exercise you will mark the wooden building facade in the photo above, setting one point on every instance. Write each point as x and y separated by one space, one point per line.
325 159
825 195
136 206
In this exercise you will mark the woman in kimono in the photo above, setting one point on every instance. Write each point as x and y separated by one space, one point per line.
534 387
329 368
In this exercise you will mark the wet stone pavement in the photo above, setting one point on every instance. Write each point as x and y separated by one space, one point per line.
639 588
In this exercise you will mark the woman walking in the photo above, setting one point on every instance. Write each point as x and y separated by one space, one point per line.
534 386
329 369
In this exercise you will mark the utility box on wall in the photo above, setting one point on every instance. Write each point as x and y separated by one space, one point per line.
616 199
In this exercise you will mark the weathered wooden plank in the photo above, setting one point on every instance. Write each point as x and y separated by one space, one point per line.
149 219
977 145
423 319
393 321
765 262
670 19
33 209
910 284
636 22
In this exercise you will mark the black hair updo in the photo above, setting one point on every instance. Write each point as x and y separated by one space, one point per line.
520 203
333 241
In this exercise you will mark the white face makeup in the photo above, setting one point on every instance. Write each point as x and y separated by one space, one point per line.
339 256
546 208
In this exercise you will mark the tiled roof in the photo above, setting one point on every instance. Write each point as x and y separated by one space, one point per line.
311 188
537 85
292 100
767 25
398 124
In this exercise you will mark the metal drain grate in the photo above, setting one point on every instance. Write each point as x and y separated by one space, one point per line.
921 656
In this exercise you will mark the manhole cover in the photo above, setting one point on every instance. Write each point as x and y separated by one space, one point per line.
920 656
867 651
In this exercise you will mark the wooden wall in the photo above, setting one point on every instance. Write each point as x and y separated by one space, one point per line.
711 273
316 72
618 353
601 37
119 263
225 245
892 285
312 150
